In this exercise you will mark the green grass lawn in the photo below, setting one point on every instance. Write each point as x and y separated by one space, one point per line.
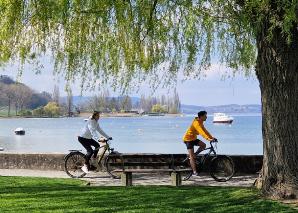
3 113
20 194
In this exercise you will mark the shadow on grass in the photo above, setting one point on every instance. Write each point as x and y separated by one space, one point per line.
41 194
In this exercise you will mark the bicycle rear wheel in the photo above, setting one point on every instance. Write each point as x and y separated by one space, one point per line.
222 168
112 163
74 161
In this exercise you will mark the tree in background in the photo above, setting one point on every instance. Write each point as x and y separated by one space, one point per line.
56 94
52 109
22 96
174 103
158 108
125 103
9 93
39 112
69 103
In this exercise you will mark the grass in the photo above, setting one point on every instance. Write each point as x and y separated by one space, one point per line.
20 194
3 113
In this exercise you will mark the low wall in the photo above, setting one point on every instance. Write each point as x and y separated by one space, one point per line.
244 164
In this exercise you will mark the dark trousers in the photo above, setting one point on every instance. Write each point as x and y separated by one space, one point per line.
87 143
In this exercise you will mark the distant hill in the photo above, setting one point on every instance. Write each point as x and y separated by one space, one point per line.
231 108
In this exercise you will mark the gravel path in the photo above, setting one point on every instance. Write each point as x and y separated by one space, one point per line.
103 179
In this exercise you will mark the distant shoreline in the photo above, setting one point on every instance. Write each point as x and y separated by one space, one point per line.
87 115
122 115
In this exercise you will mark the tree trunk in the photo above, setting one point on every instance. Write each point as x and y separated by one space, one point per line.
9 104
277 71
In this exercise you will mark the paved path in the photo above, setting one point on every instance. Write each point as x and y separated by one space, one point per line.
103 179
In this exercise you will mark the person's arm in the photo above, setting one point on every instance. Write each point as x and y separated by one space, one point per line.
92 126
203 131
102 132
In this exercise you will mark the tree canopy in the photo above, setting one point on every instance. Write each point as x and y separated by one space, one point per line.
125 41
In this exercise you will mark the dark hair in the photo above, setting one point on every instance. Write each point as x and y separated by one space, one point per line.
94 114
202 113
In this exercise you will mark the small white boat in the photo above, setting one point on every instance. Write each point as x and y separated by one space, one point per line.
222 118
19 131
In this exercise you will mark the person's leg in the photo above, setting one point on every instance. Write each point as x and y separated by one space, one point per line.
192 160
201 145
96 146
191 154
87 145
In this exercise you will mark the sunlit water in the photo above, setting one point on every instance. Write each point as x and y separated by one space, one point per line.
130 134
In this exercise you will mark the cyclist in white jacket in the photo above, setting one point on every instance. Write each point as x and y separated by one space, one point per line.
89 137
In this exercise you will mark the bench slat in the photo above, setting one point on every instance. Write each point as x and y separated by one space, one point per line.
151 170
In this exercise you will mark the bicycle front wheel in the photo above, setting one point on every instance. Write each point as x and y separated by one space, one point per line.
74 161
113 164
222 168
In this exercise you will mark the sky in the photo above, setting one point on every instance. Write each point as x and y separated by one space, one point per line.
211 90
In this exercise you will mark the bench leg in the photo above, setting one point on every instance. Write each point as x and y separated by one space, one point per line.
126 178
176 179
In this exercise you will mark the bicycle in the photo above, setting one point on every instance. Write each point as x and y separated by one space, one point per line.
221 168
74 161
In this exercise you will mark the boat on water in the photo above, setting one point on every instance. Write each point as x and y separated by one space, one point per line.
222 118
19 131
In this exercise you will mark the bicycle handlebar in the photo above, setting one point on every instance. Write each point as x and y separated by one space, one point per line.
212 142
103 140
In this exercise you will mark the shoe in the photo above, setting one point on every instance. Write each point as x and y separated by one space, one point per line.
85 169
195 174
92 168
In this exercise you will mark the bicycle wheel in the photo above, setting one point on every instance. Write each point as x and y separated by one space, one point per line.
222 168
113 163
74 161
185 165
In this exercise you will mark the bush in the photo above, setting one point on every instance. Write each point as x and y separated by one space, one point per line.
38 111
158 108
52 109
25 113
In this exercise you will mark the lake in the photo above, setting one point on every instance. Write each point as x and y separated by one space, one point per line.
130 134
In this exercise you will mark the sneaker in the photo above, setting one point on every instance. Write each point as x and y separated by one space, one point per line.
195 174
85 169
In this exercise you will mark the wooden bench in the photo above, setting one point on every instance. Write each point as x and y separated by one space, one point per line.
148 163
126 175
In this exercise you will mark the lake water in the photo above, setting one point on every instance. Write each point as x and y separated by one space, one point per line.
130 134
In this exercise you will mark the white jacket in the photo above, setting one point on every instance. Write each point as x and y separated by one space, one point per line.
90 130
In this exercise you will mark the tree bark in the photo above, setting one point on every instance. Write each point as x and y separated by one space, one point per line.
277 71
9 106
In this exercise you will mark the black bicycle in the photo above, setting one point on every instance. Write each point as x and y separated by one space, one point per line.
221 167
75 160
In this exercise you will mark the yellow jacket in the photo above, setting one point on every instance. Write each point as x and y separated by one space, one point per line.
196 128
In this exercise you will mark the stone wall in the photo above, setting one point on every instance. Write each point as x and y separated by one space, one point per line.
244 164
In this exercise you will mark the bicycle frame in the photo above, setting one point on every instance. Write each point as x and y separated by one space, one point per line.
105 147
204 157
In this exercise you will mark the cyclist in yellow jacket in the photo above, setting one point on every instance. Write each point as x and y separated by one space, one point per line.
190 138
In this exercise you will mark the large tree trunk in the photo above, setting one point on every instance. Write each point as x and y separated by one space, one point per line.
277 71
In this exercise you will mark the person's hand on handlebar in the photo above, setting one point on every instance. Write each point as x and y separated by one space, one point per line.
214 140
110 138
